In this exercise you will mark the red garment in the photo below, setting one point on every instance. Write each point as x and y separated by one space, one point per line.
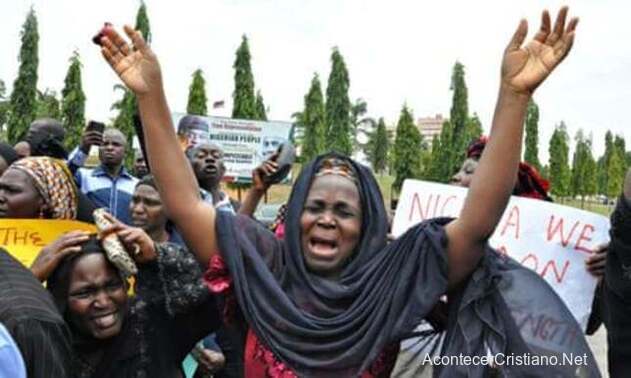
259 360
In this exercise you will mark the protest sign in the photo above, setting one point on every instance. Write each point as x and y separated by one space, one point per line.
550 239
24 238
245 143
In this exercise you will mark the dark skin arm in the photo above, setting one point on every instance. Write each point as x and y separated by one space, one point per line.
524 68
140 71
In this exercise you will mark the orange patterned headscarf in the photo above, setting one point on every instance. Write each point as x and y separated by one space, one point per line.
54 183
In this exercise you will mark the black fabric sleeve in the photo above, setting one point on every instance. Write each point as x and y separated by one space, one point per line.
173 281
45 348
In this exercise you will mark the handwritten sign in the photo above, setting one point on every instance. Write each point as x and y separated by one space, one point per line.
551 239
24 238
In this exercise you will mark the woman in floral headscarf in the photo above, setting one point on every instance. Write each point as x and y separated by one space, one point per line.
38 187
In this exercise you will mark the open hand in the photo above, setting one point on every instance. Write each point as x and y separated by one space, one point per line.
51 255
524 68
138 68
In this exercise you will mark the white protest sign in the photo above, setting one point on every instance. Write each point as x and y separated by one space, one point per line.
551 239
245 143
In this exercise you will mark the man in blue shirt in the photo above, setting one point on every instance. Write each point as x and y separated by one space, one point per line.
109 185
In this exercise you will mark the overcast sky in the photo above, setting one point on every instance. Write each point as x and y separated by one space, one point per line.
396 52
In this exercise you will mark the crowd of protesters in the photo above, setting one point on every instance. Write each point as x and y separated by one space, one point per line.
324 292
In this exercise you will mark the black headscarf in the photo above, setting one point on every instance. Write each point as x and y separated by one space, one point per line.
8 153
321 327
45 143
125 343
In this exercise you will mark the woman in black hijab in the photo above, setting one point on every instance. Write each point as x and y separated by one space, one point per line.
332 298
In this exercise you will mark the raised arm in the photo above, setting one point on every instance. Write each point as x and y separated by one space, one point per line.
523 70
140 71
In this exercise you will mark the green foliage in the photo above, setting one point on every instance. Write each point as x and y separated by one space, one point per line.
313 121
124 121
583 181
408 145
559 162
442 155
4 106
459 118
531 154
24 96
378 147
127 106
244 102
615 174
197 100
142 22
261 112
620 148
338 106
433 169
545 172
474 129
47 105
73 103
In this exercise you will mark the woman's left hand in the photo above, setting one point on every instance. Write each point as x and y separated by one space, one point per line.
595 264
135 240
524 68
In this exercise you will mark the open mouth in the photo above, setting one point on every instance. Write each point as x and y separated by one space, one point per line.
105 321
323 247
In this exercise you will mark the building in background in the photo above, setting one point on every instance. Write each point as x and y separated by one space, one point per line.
430 127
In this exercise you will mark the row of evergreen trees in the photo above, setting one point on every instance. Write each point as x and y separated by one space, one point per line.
325 123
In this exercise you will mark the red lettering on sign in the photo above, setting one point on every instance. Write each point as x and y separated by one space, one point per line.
552 265
416 205
587 229
513 220
558 228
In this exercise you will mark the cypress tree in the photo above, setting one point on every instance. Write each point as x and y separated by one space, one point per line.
313 120
73 103
4 108
531 154
126 106
459 116
474 129
559 162
615 174
142 22
261 112
583 180
433 168
197 101
338 106
442 166
24 96
408 145
244 102
378 147
47 105
620 147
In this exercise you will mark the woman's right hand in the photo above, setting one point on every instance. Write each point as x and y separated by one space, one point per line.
51 255
138 68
